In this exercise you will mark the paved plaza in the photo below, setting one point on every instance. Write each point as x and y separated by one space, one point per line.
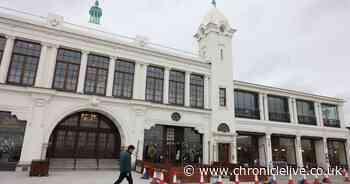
86 177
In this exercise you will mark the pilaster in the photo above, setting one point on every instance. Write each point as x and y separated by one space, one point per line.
166 85
82 72
206 92
6 58
187 88
299 153
41 71
140 81
110 80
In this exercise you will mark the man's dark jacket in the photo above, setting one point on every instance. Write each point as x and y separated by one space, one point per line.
125 162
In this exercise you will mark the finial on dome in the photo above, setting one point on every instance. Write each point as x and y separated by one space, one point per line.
214 3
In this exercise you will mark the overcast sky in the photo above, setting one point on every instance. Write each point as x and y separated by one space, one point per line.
301 45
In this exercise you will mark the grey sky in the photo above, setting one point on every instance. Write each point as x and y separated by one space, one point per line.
300 45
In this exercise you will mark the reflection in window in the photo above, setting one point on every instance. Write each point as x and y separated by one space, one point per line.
248 150
154 84
337 153
283 151
2 47
96 75
278 109
67 70
309 153
176 87
176 145
197 91
246 104
306 112
24 63
123 79
330 115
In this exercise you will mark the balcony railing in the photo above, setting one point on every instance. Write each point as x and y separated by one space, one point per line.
247 113
307 120
281 117
331 123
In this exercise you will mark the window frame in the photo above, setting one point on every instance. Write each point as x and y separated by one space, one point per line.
222 97
154 90
24 64
66 63
255 112
123 81
196 95
176 83
303 118
331 122
286 113
97 75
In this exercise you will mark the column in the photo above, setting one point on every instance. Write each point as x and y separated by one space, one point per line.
215 151
234 149
266 107
41 71
295 110
268 150
51 65
317 106
298 150
33 142
341 115
166 85
206 149
110 80
187 88
347 146
291 110
325 149
261 107
140 81
6 58
206 93
82 72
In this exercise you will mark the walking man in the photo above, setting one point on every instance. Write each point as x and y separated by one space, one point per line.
125 165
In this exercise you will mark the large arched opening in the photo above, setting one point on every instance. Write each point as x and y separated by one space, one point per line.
84 140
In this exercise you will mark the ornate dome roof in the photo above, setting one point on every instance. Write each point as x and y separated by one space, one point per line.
214 16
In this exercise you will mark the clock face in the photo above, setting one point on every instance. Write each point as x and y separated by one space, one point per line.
176 116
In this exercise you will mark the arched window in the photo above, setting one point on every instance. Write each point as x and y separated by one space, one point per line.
223 127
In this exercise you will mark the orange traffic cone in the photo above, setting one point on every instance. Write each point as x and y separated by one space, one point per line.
237 179
274 180
290 179
347 178
201 181
219 181
317 180
327 179
305 180
257 179
161 178
174 179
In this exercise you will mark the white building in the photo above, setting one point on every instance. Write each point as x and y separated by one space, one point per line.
77 96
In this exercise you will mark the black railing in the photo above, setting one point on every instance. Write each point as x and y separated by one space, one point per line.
331 123
281 117
307 120
247 113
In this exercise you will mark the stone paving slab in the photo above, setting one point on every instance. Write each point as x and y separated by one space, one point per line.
89 177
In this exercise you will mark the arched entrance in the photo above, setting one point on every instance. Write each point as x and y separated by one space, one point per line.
84 140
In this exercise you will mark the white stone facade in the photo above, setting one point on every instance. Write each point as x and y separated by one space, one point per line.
43 107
